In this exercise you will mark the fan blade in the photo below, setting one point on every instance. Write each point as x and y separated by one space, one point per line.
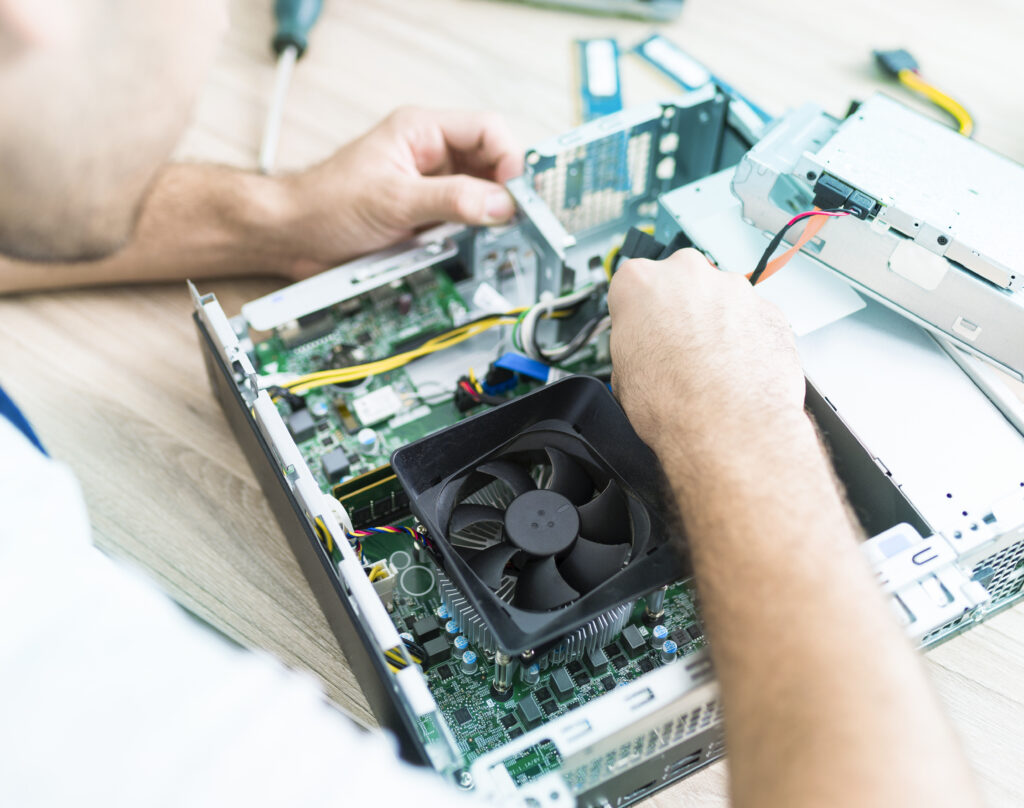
590 564
568 478
512 474
471 514
541 587
605 519
489 564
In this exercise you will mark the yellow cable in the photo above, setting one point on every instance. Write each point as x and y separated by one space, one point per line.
609 260
324 377
913 81
325 534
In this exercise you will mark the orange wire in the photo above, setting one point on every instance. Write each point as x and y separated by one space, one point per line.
814 224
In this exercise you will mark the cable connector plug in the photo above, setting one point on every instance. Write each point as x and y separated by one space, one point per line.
893 61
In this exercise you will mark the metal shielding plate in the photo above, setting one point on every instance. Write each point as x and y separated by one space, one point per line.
909 264
945 444
935 177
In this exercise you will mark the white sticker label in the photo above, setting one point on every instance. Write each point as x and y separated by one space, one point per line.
689 71
602 75
377 406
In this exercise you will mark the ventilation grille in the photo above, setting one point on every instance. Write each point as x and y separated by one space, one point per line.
1007 572
647 745
934 634
590 185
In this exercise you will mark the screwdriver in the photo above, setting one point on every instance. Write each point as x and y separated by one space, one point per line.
294 18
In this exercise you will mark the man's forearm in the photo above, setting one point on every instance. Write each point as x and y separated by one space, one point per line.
197 221
825 701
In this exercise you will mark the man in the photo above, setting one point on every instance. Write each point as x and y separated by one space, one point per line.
111 696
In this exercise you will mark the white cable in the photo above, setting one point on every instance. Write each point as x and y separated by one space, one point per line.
529 324
566 351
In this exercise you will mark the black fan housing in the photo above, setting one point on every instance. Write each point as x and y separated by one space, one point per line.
572 510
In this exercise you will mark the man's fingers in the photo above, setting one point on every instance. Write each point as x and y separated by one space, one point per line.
479 143
458 199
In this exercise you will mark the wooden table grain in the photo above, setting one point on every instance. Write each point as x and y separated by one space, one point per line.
114 380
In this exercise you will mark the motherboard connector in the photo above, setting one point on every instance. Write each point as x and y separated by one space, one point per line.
382 575
930 593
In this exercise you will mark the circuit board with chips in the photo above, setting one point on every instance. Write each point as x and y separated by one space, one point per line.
480 722
345 431
346 434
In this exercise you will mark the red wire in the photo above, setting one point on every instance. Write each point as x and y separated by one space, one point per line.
807 213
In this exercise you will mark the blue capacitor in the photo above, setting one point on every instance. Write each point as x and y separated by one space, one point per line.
469 662
531 674
461 643
668 651
442 612
658 636
451 628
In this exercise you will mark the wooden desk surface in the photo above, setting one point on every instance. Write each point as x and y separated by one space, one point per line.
114 380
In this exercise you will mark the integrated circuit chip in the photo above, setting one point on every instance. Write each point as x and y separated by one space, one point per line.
426 628
437 650
633 641
562 684
596 661
301 425
529 711
335 464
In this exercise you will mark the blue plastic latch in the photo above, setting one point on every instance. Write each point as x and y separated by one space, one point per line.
524 365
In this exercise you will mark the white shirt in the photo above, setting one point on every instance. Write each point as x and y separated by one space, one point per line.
110 695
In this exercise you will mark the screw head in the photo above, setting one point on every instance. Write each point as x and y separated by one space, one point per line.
943 240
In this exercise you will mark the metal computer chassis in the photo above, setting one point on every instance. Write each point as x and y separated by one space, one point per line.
666 724
936 234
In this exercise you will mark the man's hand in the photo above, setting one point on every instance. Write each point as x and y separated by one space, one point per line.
417 167
708 374
693 346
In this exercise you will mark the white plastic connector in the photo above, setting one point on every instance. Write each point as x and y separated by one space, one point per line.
383 575
929 591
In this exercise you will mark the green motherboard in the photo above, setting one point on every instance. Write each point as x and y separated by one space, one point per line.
334 437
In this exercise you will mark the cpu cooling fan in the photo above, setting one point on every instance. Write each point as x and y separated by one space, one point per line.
561 500
565 536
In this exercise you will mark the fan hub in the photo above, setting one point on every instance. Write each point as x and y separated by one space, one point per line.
541 522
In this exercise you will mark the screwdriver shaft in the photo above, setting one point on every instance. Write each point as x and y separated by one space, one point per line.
275 114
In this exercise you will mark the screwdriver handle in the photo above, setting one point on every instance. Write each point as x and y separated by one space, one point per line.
294 18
